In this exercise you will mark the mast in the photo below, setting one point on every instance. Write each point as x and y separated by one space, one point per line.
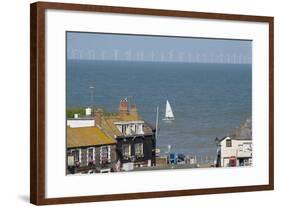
92 98
157 115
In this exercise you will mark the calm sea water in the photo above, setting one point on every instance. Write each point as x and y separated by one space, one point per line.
208 100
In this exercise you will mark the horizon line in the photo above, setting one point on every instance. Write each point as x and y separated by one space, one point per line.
154 61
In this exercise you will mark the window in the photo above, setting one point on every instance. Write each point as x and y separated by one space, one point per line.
228 143
139 129
139 149
123 128
75 154
104 153
75 160
132 129
247 147
91 155
126 150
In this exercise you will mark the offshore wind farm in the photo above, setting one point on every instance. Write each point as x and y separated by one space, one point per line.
157 49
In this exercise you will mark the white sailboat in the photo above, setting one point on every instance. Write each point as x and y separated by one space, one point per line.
169 115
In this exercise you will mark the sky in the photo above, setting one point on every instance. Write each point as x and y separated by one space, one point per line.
121 47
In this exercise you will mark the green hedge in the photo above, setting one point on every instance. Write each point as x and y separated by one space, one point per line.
79 110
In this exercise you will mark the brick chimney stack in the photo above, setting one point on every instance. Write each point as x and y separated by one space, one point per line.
98 117
123 107
133 110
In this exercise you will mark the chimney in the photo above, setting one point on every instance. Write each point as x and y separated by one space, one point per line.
133 110
123 107
88 111
98 117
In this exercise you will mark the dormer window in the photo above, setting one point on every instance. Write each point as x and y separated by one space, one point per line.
130 127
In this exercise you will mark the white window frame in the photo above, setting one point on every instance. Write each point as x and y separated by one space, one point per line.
109 153
139 154
94 157
79 154
129 145
101 148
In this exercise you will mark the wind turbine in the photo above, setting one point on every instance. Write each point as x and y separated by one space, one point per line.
152 56
74 52
139 55
204 58
162 56
228 59
128 55
212 58
181 56
240 59
220 58
190 57
93 54
102 54
116 52
171 55
234 58
197 57
89 54
80 54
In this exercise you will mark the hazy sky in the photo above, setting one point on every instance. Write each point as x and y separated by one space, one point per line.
99 46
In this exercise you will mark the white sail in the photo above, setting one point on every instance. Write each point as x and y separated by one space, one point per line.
169 115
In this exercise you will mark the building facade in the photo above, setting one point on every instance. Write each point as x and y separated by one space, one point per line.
233 152
135 138
110 141
89 150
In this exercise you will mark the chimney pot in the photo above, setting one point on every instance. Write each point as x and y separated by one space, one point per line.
98 117
123 107
133 110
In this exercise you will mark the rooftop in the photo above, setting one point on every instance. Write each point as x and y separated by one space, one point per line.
235 138
109 124
82 118
87 136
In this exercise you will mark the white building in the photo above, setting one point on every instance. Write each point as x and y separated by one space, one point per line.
86 121
80 122
233 152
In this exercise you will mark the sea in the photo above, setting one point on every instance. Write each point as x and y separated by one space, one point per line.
208 100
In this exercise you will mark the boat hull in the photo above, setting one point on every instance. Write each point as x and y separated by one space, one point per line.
168 119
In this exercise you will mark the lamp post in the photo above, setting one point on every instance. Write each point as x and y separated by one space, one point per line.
157 115
92 98
218 152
